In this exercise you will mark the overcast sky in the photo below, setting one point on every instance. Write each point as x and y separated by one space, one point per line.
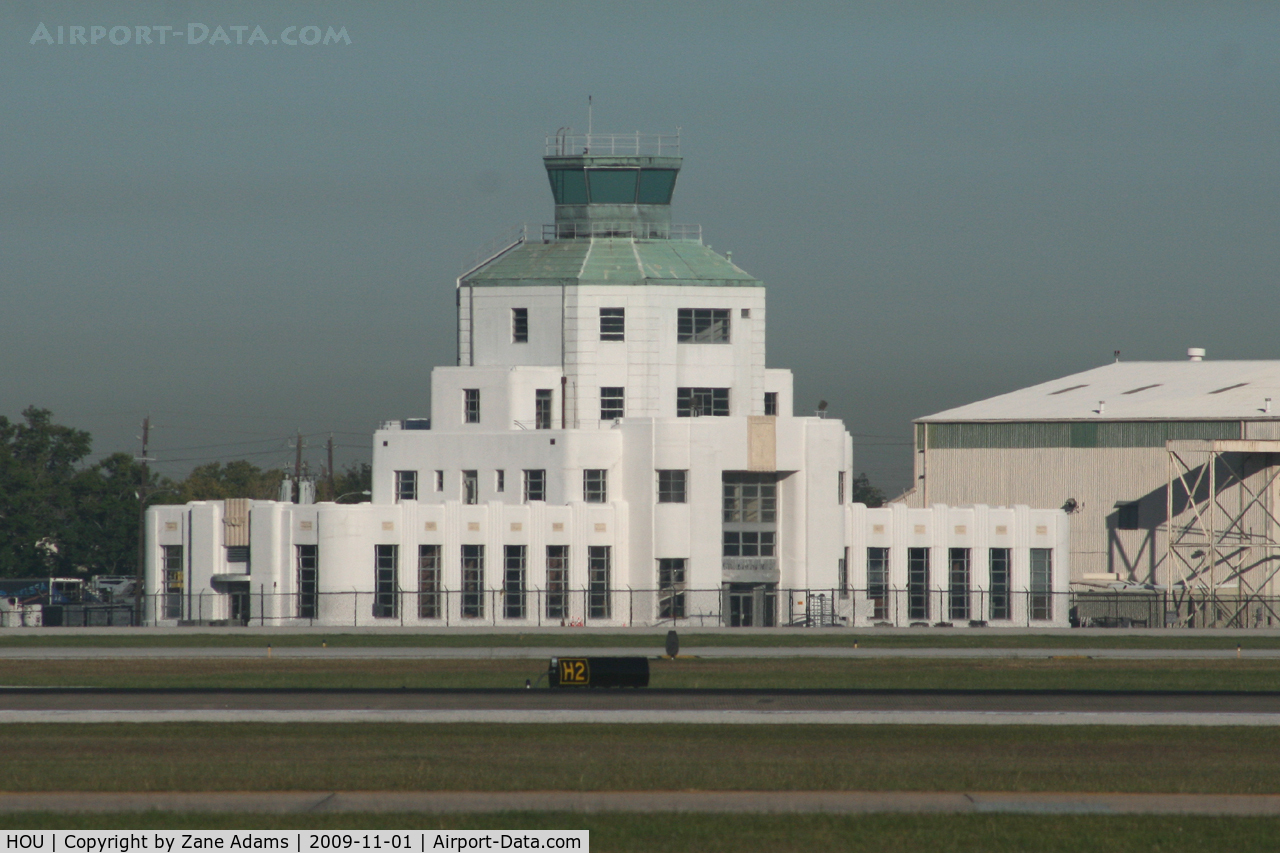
947 201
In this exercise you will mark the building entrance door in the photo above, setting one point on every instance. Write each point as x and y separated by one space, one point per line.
751 605
238 599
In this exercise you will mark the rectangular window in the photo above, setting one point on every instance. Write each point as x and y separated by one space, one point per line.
472 581
671 587
542 408
702 402
771 403
174 577
519 325
1127 516
878 582
1041 583
513 582
702 326
439 481
557 581
386 581
917 583
599 558
535 484
671 486
500 481
406 485
748 502
613 324
471 405
595 486
748 543
470 487
308 589
429 582
1001 560
840 487
237 553
612 404
958 584
842 574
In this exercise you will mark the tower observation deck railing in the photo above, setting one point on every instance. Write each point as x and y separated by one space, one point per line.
588 229
568 144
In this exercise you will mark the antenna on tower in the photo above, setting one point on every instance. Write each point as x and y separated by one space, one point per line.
588 117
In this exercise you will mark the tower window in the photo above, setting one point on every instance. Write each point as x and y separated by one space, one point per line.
700 402
542 408
535 484
702 326
612 403
613 324
520 325
771 403
595 486
672 486
471 405
406 485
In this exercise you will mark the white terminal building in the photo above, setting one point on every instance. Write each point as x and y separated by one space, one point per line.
609 449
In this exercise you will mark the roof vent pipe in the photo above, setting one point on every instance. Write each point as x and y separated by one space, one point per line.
1102 407
1266 405
1196 353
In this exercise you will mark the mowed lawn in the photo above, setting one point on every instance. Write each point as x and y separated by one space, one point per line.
1046 673
480 757
710 833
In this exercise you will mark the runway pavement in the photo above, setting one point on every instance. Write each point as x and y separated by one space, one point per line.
545 652
753 802
725 707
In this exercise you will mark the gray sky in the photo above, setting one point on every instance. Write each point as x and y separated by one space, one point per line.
947 201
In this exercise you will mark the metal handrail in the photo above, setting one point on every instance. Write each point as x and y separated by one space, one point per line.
594 229
635 144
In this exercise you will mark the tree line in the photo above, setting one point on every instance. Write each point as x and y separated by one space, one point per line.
60 515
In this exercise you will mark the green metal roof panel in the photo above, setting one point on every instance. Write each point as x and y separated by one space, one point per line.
612 261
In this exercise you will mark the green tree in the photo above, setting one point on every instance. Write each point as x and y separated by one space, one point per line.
863 492
357 477
239 479
38 463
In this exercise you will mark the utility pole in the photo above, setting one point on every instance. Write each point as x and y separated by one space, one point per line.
139 614
297 467
333 491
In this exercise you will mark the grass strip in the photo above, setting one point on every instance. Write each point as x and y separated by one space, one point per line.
748 673
577 638
328 757
708 833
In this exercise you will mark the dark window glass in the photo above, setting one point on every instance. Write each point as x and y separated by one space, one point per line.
771 402
702 326
174 575
748 543
471 405
406 485
500 481
470 487
237 553
656 186
1041 583
472 581
429 585
842 574
612 403
595 486
612 186
557 581
542 408
918 583
535 484
672 487
513 598
671 587
958 584
386 596
878 582
613 324
569 186
520 325
702 402
308 586
750 502
1000 574
599 558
